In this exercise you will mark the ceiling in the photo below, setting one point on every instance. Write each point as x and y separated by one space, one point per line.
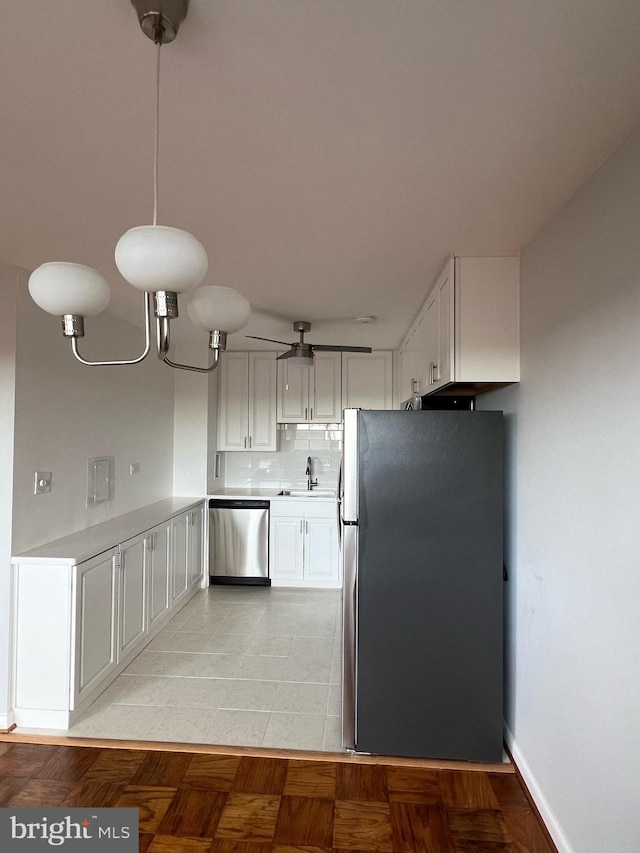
329 155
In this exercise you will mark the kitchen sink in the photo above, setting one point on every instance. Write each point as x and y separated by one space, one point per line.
305 493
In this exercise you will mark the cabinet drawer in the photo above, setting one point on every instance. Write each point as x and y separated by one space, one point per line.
309 508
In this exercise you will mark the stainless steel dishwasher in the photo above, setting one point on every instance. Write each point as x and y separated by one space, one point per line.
239 542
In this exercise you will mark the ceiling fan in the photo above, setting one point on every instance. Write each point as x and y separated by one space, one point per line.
302 352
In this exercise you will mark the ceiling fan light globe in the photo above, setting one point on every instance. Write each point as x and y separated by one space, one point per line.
300 361
218 308
156 258
61 288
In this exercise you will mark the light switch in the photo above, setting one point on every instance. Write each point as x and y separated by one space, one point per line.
134 468
42 483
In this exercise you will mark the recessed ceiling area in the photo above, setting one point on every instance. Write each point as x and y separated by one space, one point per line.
329 155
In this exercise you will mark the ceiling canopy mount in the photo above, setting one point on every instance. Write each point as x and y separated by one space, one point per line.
161 19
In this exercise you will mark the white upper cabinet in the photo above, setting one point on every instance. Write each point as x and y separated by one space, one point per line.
367 380
467 333
247 401
411 360
325 388
310 395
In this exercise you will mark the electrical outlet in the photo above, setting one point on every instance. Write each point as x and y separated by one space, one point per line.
42 483
134 468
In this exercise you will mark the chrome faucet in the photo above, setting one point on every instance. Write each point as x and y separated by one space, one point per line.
310 483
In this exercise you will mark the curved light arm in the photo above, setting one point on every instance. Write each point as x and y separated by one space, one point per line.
217 342
147 342
216 361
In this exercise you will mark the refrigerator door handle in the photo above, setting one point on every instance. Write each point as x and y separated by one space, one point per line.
350 626
339 506
350 465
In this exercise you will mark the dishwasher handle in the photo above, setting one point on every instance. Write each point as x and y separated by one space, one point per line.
238 503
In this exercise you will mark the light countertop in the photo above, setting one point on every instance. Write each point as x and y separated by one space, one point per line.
80 546
265 494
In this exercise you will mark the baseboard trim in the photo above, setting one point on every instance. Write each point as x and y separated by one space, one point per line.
546 812
7 721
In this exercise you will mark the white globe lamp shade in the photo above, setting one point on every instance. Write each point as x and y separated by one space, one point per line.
300 361
218 309
62 288
155 257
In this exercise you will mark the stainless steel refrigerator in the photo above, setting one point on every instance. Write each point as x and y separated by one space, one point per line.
421 508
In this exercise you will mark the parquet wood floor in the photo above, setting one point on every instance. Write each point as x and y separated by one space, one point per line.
192 802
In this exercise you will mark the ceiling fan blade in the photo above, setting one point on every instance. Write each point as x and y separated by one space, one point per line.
256 338
331 348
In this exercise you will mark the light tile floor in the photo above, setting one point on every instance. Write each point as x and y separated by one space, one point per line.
244 666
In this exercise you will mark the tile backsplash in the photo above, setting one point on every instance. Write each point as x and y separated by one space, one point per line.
284 469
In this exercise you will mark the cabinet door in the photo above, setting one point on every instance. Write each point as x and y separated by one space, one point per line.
132 620
286 548
443 371
233 406
293 393
158 574
413 364
431 335
179 559
420 354
262 432
325 388
195 549
321 550
96 626
367 380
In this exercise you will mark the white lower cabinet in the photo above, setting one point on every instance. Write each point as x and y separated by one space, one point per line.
304 544
158 576
133 568
195 545
286 542
186 553
96 623
179 571
78 624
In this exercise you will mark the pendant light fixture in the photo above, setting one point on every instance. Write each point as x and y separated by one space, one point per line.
160 261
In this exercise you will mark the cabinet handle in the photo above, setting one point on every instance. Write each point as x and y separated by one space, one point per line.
301 526
305 413
436 372
413 386
249 442
306 527
311 418
245 442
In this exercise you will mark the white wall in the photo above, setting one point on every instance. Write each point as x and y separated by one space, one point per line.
191 421
67 413
9 290
573 539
